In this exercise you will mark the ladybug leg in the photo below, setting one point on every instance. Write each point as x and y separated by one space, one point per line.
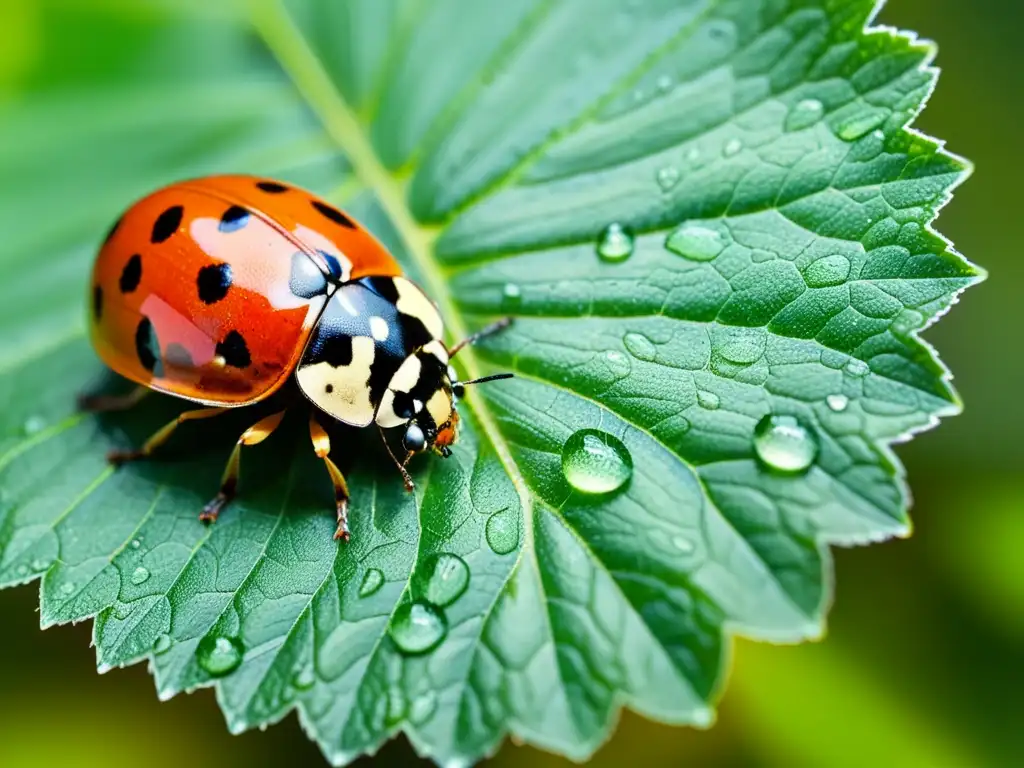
322 447
161 436
257 433
109 403
483 333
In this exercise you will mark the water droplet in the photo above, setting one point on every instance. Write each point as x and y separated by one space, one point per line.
784 444
826 271
22 570
732 147
692 155
695 241
304 678
423 706
804 114
511 293
447 579
640 346
596 462
39 564
618 363
67 588
502 531
418 627
372 581
139 575
708 400
837 403
219 655
162 644
34 424
683 544
136 544
616 243
857 368
668 177
664 83
854 127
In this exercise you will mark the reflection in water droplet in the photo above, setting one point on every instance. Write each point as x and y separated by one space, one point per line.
837 402
447 579
502 531
139 575
732 147
696 242
596 462
162 644
615 243
667 177
372 581
304 678
784 444
219 655
418 627
804 114
34 424
857 368
708 400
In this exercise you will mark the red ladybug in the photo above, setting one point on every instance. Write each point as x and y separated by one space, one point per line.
221 290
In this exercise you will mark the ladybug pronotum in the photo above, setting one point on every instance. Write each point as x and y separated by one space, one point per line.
222 290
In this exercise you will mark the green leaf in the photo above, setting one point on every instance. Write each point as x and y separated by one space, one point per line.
750 356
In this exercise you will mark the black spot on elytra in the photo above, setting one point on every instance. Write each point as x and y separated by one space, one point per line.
131 274
167 223
334 214
213 282
233 219
414 332
97 301
272 187
329 388
305 280
334 350
178 357
383 286
112 231
146 345
234 350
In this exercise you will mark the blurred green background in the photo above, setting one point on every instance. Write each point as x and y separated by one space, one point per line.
924 658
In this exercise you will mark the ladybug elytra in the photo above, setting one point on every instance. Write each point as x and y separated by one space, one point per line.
223 289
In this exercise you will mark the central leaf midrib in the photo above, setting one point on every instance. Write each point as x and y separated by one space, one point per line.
287 44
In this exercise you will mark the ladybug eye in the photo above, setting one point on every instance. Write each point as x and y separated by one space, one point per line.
414 439
458 390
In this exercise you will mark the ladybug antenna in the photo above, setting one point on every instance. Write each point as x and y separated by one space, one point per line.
458 387
483 333
406 477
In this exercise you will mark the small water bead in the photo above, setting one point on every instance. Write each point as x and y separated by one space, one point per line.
418 627
372 582
692 155
664 83
162 644
33 425
219 655
857 368
502 531
22 570
596 462
732 147
837 403
615 243
67 588
860 125
708 400
140 575
304 678
640 346
136 544
784 444
695 241
422 707
512 292
827 271
683 544
618 363
447 579
804 114
668 177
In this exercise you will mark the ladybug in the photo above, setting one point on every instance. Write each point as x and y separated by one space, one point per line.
222 290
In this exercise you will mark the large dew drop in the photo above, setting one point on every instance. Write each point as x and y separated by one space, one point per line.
695 241
418 627
447 579
784 444
219 655
596 462
140 575
502 531
372 581
615 243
